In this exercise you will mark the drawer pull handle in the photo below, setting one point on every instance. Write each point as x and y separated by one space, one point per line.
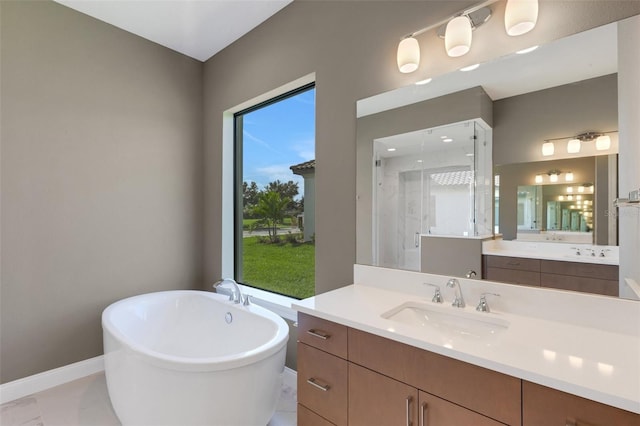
423 414
408 409
513 263
312 381
319 334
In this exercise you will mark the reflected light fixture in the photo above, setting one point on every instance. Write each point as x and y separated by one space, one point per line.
573 146
423 82
603 142
408 56
538 178
520 16
553 177
470 67
457 36
568 177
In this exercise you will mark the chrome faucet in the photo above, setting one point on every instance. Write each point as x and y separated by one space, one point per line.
437 295
458 301
483 306
236 294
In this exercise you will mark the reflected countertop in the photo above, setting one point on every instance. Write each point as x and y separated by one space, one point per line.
566 252
569 351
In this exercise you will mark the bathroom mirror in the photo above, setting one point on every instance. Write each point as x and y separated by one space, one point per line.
531 103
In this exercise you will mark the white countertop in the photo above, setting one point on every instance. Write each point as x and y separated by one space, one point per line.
552 251
595 363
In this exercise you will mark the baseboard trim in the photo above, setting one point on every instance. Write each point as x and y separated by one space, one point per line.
20 388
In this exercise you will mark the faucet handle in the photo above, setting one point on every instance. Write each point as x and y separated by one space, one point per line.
577 249
437 294
471 273
483 306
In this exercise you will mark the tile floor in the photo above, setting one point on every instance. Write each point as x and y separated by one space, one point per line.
85 402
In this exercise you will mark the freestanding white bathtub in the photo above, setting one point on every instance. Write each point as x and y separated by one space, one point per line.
192 358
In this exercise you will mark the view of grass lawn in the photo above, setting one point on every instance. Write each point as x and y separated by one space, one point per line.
283 268
246 223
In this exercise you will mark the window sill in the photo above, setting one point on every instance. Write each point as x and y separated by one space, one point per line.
277 303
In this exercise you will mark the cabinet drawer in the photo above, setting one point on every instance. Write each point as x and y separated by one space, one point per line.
487 392
437 411
513 276
519 263
585 285
589 270
322 383
307 417
323 334
546 406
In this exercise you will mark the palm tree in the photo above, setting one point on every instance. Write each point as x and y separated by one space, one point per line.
271 208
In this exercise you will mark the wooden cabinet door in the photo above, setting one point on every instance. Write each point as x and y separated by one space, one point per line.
542 406
375 399
434 411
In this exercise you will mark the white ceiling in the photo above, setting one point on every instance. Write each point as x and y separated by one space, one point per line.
196 28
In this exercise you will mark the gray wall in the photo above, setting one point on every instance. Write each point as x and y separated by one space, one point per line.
101 179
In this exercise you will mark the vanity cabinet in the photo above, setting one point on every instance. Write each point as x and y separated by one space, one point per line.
545 406
515 270
577 276
381 381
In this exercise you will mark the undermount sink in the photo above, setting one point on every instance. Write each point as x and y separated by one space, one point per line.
448 319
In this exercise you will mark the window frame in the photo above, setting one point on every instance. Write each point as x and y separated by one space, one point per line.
238 206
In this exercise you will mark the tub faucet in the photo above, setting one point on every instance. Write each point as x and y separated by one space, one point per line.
458 302
236 294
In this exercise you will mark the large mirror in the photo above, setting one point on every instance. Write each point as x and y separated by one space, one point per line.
531 103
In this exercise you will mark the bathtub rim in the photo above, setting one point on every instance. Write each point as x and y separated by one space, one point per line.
197 364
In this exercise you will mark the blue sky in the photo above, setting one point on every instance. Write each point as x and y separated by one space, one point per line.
277 137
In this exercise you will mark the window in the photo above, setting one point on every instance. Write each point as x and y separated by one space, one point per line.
274 194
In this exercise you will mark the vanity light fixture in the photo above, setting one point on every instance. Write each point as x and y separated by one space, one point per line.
391 149
457 36
553 177
569 189
408 56
520 16
538 178
568 177
581 188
